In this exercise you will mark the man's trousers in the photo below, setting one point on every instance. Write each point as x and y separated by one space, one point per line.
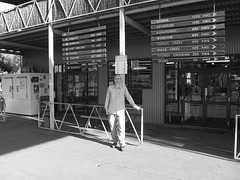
117 127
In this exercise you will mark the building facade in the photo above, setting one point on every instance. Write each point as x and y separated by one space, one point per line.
174 80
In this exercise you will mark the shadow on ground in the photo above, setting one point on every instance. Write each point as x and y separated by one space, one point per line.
18 133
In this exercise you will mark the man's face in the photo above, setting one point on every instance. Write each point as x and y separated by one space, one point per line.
117 79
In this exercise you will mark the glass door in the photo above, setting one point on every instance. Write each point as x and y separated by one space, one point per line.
192 99
205 98
92 88
235 97
217 99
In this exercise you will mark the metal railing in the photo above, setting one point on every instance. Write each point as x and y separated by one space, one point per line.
94 114
236 153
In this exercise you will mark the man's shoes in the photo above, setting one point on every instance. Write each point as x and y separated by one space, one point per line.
122 148
114 145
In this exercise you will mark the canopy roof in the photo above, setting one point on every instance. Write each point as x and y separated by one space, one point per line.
138 22
15 2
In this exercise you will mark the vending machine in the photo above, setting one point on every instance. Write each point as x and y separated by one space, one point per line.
22 92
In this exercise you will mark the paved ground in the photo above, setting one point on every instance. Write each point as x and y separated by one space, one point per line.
168 153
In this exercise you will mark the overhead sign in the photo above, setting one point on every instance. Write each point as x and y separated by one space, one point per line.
189 54
189 48
87 41
85 46
189 37
189 29
88 46
214 40
190 59
189 17
189 23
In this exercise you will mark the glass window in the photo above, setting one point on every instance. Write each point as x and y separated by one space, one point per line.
136 95
173 106
139 77
139 73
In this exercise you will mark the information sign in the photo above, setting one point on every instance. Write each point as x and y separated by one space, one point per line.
215 40
189 54
190 59
89 46
77 38
85 46
190 35
189 17
84 31
198 37
87 41
189 29
189 48
121 64
82 57
188 23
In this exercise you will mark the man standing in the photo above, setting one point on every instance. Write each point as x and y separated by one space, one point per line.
115 109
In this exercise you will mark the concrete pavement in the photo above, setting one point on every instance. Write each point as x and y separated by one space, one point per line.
168 153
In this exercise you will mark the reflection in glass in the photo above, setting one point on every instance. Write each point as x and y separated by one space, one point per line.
193 98
235 101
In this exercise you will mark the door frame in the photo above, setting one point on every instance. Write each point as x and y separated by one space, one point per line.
205 72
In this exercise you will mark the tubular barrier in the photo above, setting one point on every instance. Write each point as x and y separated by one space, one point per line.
236 153
44 118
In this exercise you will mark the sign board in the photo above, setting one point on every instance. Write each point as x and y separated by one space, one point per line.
189 48
85 46
190 29
198 37
189 35
189 17
188 23
189 54
214 40
121 64
190 59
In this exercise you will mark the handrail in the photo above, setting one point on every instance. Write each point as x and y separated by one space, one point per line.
81 128
236 154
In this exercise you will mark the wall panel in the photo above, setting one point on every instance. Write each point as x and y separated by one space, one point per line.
154 99
233 40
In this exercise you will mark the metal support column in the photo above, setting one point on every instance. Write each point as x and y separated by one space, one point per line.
51 64
122 43
121 29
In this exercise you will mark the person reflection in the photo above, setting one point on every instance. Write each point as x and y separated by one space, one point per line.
196 98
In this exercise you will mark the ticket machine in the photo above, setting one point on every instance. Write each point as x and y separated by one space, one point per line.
22 92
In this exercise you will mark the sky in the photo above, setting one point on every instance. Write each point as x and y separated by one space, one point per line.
5 6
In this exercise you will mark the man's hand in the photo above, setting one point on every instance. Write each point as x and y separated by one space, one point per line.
107 113
137 107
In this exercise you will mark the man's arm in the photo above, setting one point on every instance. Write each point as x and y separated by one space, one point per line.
130 99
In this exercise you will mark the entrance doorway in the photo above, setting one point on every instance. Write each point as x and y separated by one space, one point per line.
205 97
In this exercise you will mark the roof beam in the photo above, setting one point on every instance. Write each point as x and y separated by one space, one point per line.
137 25
7 43
57 32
